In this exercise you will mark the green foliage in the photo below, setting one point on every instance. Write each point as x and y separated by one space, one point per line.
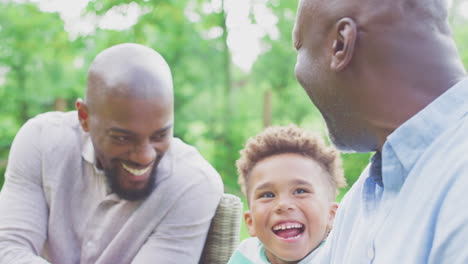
218 107
38 56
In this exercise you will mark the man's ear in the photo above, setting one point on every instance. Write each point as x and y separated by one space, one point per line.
83 114
345 35
249 223
332 214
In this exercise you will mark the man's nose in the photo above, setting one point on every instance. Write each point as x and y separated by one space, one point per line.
143 153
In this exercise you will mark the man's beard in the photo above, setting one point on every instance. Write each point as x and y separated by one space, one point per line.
131 195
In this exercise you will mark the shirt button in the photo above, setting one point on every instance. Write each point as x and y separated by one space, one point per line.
370 253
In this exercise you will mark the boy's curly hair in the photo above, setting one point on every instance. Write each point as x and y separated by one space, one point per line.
289 139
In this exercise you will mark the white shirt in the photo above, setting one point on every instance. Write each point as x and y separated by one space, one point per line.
57 205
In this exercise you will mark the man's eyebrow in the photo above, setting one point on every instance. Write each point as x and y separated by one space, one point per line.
119 130
162 130
125 131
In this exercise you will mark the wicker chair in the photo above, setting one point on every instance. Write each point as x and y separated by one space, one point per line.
223 236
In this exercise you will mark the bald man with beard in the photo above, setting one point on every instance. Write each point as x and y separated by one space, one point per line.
387 78
108 183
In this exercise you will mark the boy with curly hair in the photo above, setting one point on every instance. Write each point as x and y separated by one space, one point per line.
291 180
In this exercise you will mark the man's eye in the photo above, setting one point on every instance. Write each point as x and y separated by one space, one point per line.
158 136
120 139
300 191
266 195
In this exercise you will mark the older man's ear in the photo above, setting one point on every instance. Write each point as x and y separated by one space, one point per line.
345 34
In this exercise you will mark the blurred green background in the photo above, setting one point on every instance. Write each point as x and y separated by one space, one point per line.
232 62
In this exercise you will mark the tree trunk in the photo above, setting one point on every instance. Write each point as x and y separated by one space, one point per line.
23 104
60 104
227 66
267 115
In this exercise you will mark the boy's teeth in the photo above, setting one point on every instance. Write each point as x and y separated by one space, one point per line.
287 226
135 171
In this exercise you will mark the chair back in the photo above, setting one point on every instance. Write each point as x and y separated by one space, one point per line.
223 236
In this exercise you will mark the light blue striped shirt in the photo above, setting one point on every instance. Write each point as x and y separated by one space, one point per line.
410 205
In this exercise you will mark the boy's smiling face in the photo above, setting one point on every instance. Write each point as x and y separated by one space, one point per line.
291 210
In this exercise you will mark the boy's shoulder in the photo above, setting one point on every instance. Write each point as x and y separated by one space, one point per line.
249 251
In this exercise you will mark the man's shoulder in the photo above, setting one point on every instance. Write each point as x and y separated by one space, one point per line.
187 157
52 127
450 146
444 164
183 151
54 122
56 118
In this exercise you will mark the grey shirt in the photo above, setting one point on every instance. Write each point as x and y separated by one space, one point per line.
56 207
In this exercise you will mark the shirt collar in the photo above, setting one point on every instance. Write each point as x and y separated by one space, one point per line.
89 155
409 141
88 149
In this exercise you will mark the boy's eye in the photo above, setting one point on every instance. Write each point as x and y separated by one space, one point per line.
266 195
300 191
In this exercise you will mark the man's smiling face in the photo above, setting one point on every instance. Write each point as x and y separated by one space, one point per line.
130 136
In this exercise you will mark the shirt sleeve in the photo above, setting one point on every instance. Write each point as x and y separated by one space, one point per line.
181 235
23 209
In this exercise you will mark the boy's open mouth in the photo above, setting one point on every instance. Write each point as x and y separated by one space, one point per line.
289 230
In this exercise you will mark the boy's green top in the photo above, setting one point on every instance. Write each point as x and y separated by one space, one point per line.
251 251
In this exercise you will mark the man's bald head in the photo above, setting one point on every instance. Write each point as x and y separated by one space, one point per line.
429 14
128 70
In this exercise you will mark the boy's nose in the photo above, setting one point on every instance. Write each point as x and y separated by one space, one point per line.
285 204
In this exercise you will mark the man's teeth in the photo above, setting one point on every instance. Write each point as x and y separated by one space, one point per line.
135 171
287 226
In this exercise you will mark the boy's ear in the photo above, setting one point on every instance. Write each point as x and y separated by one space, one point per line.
83 114
249 223
331 216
